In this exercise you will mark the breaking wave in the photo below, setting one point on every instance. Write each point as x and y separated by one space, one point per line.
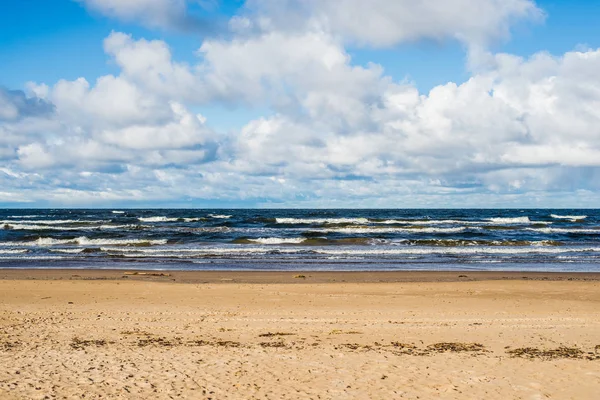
320 221
84 241
273 240
516 220
566 230
572 218
13 251
158 219
53 222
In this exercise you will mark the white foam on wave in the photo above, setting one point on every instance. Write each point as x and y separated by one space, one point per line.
193 219
67 251
322 220
565 230
338 251
118 212
52 222
391 230
29 258
274 240
515 220
158 219
13 251
429 222
30 227
365 221
572 218
458 250
219 216
84 241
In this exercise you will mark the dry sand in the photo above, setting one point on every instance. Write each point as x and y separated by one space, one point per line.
70 334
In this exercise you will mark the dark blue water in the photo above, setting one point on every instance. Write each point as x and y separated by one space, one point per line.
522 240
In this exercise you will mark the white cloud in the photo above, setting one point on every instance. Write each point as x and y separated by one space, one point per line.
164 14
112 101
520 130
386 23
155 13
15 105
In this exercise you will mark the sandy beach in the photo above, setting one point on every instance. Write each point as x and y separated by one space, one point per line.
217 335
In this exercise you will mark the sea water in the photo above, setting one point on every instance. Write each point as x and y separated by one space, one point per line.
312 239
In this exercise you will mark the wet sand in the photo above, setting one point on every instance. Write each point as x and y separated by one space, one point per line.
241 335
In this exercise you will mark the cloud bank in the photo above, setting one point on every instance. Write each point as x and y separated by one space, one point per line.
518 132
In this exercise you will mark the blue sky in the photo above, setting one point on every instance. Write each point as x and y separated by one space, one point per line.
294 102
50 40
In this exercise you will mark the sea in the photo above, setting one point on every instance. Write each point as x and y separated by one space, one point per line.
302 240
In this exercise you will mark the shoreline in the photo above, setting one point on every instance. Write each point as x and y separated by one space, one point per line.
290 277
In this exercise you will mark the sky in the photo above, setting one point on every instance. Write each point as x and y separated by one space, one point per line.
300 103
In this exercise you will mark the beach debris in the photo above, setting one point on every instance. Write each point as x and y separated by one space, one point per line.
277 344
456 347
549 354
219 343
356 346
226 343
300 276
341 332
80 344
158 341
401 346
136 332
269 334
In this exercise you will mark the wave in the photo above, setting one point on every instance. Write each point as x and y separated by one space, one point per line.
427 222
414 229
572 218
309 241
566 230
118 212
374 221
194 219
158 219
457 250
84 241
67 251
464 243
13 251
53 222
172 219
515 220
274 240
219 216
320 221
33 258
28 227
364 251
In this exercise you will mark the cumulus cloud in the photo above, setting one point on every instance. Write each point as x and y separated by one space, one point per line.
386 23
166 14
15 104
518 131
